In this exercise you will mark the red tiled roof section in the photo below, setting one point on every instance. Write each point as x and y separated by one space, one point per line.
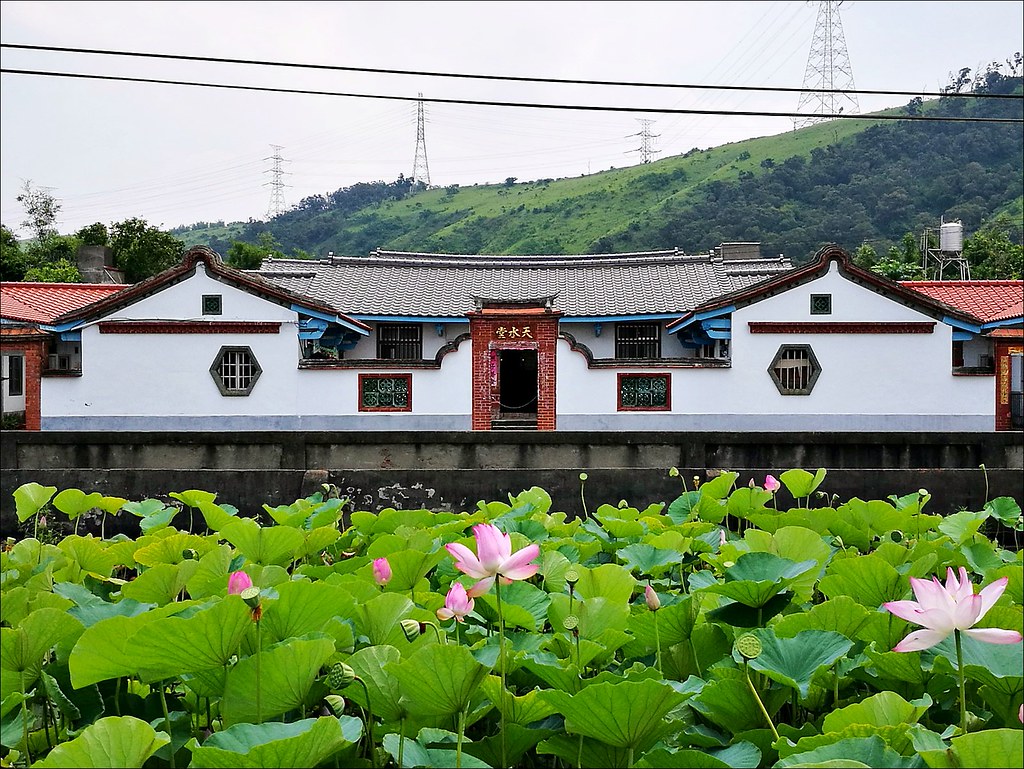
42 302
988 300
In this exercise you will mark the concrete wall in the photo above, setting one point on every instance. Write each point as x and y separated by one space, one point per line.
455 470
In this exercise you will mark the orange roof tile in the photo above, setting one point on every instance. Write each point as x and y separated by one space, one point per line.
987 300
42 302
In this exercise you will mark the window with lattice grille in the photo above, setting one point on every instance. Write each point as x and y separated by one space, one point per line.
235 370
385 392
400 341
821 304
637 340
645 392
794 369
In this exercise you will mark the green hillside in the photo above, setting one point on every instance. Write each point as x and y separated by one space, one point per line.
846 181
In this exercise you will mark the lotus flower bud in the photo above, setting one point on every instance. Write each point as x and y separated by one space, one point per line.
411 628
653 602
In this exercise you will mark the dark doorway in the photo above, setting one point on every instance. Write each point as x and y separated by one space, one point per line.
517 381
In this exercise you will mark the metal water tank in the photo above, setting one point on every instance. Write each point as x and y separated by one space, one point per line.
951 236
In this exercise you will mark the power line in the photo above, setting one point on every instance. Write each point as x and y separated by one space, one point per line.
525 105
470 76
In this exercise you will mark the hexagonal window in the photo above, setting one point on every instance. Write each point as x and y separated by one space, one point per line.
235 370
794 369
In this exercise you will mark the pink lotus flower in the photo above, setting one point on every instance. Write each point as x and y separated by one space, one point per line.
382 571
771 483
237 582
653 602
494 558
457 603
944 609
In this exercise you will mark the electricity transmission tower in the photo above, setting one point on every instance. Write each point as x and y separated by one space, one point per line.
828 79
276 206
645 149
420 169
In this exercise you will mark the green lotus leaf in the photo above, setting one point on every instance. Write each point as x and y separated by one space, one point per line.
19 602
794 661
963 526
371 665
74 502
409 566
309 742
318 539
105 650
1006 509
840 615
746 501
556 673
719 486
378 619
628 714
595 615
675 624
867 579
25 646
801 483
303 607
216 516
267 546
684 507
439 679
117 741
756 578
419 753
587 752
523 710
207 639
995 665
647 559
868 751
518 740
86 555
193 497
287 671
987 749
876 517
89 608
171 548
293 515
796 543
158 521
883 709
30 498
680 759
144 508
211 577
620 528
522 605
896 666
161 584
609 581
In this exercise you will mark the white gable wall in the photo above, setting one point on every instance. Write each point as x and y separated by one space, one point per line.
867 381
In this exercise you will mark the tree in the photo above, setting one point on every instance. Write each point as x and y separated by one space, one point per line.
60 271
94 235
41 210
246 256
993 257
141 250
13 262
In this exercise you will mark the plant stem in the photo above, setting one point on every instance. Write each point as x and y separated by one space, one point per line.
501 670
963 684
657 646
259 655
167 722
401 742
24 721
462 731
764 712
369 723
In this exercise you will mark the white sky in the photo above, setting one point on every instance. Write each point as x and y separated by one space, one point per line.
175 155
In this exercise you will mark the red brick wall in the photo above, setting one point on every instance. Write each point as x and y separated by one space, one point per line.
491 330
33 350
1002 394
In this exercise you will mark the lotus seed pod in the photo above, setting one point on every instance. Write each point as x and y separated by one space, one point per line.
572 576
341 675
411 628
749 645
251 596
673 472
571 622
583 476
189 554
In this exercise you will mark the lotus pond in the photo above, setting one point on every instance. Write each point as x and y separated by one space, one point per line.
725 629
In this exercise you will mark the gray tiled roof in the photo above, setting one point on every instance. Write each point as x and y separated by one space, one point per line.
392 283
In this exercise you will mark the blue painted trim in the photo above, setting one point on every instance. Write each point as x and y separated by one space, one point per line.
301 310
71 336
962 325
1002 323
618 318
962 336
700 317
719 323
714 334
